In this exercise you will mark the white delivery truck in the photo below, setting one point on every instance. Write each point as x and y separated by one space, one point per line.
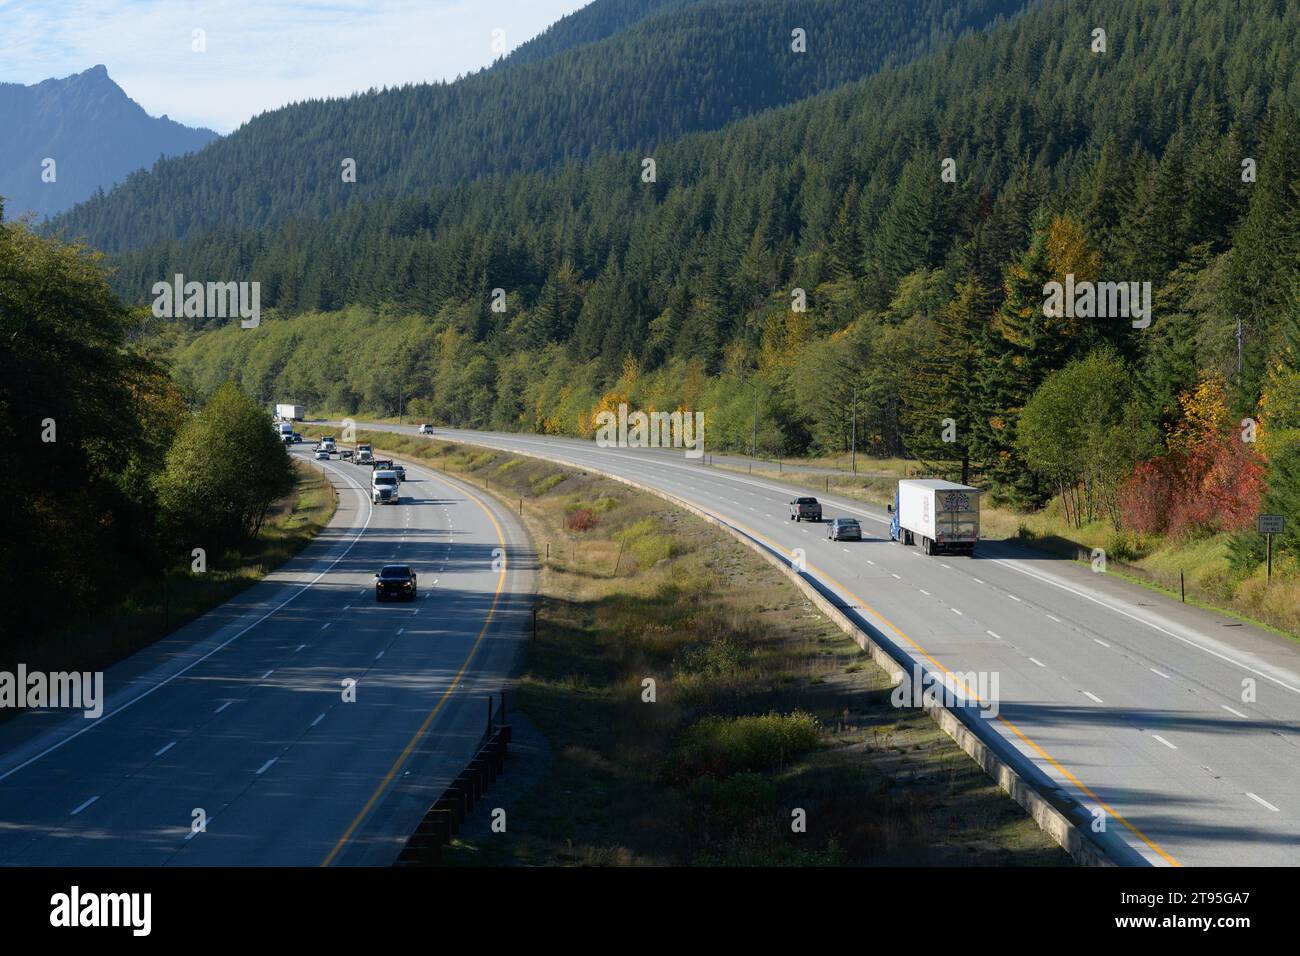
289 413
284 430
938 515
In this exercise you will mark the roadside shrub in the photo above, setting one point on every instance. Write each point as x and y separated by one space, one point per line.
1127 546
645 542
542 485
721 746
584 519
720 657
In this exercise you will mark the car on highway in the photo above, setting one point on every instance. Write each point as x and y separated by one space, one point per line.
395 580
844 529
426 429
297 439
345 453
322 455
401 472
383 488
805 509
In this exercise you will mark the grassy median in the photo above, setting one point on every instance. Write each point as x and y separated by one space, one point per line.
761 706
161 604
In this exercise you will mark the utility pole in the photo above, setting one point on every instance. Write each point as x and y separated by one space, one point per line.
855 430
753 435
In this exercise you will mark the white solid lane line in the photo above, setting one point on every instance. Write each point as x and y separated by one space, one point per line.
318 720
266 766
159 753
224 706
1159 673
96 797
1231 711
955 611
1093 697
267 674
1038 662
992 635
1165 742
1101 642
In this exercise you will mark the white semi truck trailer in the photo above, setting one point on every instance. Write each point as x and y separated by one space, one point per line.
289 413
940 516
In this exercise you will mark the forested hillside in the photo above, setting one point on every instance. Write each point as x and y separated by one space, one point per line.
595 21
1166 159
692 67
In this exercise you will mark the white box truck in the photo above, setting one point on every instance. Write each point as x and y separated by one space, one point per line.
940 516
289 413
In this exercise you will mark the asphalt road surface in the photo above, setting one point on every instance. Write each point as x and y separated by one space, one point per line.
239 719
1131 711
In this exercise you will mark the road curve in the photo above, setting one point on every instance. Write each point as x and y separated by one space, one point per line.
239 719
1125 707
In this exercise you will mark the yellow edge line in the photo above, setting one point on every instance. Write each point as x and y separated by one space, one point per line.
924 653
424 727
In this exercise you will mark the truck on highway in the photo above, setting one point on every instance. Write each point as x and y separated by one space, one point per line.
384 487
364 455
940 516
284 430
805 509
289 413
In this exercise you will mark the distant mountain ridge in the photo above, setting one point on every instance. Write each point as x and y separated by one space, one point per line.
94 132
625 74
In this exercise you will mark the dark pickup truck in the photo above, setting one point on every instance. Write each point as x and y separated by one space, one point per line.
805 509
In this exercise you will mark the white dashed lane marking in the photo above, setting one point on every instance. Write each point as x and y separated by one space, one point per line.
1263 803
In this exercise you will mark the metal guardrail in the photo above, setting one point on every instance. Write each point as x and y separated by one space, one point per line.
443 819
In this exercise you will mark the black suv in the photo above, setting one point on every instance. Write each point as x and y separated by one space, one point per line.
397 580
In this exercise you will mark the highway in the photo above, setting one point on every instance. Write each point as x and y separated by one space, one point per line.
1128 709
239 720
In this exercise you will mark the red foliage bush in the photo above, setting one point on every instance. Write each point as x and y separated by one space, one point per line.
584 519
1214 486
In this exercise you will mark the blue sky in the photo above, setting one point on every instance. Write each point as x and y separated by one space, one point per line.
261 54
